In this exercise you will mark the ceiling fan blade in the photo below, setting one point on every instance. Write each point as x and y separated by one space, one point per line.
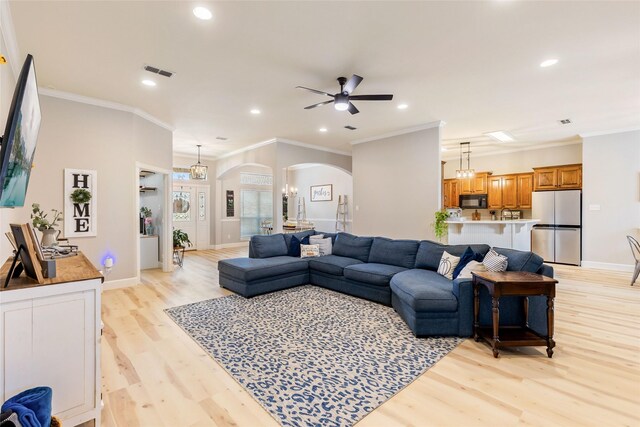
318 104
314 91
371 97
352 109
352 83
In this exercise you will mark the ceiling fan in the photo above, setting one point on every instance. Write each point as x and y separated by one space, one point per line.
342 100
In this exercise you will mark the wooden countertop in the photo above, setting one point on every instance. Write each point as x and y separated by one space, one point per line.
69 269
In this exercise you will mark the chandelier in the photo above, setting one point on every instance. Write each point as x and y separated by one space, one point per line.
465 148
199 171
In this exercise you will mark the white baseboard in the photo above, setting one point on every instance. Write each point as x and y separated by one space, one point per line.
120 283
230 245
608 266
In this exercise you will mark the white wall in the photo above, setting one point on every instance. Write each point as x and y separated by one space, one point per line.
519 161
82 136
322 214
611 182
397 185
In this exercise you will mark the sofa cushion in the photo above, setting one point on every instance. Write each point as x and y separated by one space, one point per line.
401 253
294 246
430 253
521 260
425 291
372 273
332 264
352 246
248 269
269 246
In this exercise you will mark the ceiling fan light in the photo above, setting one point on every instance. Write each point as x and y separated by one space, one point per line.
341 103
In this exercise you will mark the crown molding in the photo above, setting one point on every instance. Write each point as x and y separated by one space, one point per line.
313 147
247 148
9 36
608 132
54 93
517 150
430 125
283 141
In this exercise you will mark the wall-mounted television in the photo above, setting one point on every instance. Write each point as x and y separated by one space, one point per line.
20 137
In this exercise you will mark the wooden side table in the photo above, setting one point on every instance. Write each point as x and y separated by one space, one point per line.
513 283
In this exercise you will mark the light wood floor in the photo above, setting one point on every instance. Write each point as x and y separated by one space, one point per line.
154 375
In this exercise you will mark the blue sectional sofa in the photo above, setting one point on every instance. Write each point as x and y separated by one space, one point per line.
398 273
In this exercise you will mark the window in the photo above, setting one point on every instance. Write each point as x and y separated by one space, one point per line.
256 206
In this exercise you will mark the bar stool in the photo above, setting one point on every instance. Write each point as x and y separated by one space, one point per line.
635 250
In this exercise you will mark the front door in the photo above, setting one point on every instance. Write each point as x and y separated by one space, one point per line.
190 205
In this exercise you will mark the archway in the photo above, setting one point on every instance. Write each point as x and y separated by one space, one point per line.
244 203
321 194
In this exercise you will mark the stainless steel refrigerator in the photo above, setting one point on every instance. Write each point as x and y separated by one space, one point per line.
558 235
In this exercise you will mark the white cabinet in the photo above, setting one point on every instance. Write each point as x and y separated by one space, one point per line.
149 252
50 336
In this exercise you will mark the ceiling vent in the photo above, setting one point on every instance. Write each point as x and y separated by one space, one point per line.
565 121
156 70
221 138
350 127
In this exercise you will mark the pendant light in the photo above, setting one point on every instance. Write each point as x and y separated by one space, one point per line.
468 172
199 171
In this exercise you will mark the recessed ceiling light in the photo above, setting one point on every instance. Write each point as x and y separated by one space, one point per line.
148 82
202 13
322 129
403 107
548 62
255 111
501 136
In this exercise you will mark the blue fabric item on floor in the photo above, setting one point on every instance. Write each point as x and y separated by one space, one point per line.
32 406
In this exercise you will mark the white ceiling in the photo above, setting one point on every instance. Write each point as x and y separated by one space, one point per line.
474 65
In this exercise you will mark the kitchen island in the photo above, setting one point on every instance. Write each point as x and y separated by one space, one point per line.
514 234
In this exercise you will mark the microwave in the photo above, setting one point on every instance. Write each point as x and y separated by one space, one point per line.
473 201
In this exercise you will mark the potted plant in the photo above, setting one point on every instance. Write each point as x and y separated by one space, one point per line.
180 239
40 221
440 227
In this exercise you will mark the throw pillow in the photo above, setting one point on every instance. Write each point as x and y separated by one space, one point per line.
294 246
494 261
309 251
448 263
324 244
466 256
472 265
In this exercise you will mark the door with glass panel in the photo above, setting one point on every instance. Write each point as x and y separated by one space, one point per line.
190 205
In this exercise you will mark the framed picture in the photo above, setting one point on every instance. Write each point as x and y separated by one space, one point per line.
322 193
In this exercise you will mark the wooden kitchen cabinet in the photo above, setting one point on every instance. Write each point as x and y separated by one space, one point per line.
451 191
570 177
524 190
565 177
477 184
510 191
494 193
